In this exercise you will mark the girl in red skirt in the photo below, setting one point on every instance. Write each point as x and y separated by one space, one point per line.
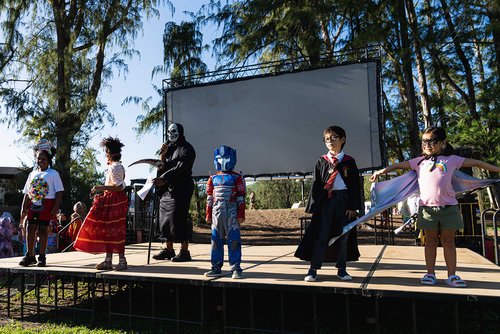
42 197
103 230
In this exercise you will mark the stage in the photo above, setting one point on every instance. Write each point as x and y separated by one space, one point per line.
385 288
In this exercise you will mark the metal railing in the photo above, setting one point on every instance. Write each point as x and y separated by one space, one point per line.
484 235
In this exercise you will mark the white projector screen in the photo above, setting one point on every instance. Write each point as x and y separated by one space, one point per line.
276 122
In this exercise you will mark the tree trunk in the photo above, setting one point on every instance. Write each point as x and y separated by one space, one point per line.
471 102
482 76
440 94
422 78
63 165
325 35
436 71
493 13
408 80
63 155
398 149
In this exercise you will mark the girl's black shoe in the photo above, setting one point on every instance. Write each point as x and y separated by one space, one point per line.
27 260
42 261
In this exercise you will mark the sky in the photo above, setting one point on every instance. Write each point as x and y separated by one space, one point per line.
137 82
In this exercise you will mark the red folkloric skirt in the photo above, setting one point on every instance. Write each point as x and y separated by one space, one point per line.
103 230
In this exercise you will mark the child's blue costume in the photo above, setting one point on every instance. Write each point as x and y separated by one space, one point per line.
225 205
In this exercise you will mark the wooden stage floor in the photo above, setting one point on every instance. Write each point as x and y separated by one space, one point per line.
381 271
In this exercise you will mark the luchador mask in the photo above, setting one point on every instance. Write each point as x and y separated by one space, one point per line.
224 158
172 133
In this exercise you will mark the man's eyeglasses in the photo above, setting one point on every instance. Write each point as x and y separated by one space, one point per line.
330 139
430 142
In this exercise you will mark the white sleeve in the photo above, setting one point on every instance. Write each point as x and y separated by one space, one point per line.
57 182
26 188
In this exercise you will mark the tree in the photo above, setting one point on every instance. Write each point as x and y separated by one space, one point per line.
85 175
439 66
182 59
182 51
64 53
153 117
273 30
278 194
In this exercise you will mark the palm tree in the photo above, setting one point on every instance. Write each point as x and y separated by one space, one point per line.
182 52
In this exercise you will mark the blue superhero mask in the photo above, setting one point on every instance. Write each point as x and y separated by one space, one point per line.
224 158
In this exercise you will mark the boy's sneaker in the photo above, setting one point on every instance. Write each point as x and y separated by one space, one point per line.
27 260
343 275
42 261
183 256
237 274
214 272
311 276
164 254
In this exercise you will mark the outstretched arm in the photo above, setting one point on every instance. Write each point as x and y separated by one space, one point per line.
480 164
398 165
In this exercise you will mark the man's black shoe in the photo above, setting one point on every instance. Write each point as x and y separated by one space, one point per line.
42 261
164 254
27 260
183 256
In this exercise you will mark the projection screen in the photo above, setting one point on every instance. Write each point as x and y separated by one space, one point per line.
276 122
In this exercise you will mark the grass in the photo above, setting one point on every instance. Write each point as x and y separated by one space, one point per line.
25 327
490 231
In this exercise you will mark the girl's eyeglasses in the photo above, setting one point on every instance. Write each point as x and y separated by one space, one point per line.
430 142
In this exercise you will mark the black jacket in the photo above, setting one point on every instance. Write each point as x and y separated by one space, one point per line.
350 175
177 168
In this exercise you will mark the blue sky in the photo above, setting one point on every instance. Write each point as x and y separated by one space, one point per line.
137 82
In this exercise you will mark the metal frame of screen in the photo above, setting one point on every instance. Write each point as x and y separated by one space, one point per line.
275 120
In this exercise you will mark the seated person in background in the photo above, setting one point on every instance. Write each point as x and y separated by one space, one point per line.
52 241
17 241
6 230
61 218
77 217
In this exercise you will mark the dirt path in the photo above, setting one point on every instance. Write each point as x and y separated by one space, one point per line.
282 226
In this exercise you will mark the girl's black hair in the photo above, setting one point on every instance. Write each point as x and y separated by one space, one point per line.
49 155
438 134
113 147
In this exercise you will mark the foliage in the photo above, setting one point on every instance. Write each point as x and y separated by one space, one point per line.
153 117
85 175
274 194
198 204
481 136
440 60
13 194
182 52
285 29
279 194
58 57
